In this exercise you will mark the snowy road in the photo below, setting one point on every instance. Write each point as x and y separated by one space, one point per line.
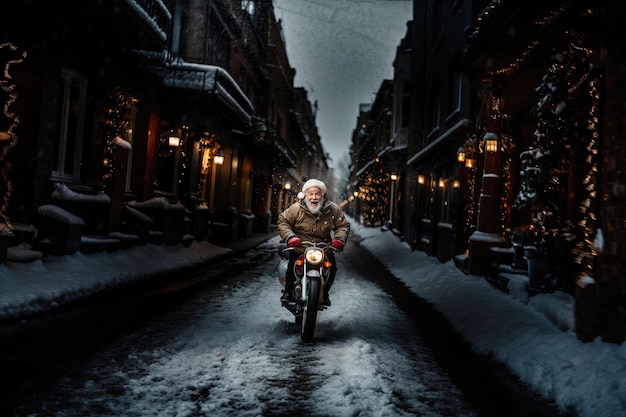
234 351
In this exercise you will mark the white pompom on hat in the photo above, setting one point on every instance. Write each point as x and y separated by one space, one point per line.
314 183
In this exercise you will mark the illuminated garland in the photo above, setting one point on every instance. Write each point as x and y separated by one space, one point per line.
116 127
8 138
471 153
585 251
562 103
473 150
508 149
374 195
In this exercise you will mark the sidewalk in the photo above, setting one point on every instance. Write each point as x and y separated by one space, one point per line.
532 335
41 286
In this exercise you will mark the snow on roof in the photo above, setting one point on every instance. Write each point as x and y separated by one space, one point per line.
209 78
148 19
465 123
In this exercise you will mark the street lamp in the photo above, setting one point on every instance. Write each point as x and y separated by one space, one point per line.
488 233
218 160
394 178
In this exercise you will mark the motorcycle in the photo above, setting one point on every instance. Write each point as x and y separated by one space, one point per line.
311 269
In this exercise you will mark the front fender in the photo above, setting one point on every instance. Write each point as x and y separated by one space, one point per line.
313 273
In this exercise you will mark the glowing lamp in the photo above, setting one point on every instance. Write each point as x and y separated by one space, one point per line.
173 139
460 154
218 158
491 142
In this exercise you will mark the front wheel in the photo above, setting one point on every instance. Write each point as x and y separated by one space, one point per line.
309 312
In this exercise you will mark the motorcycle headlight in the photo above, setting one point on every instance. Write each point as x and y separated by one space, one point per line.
314 256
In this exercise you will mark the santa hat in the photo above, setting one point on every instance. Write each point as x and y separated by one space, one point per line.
313 183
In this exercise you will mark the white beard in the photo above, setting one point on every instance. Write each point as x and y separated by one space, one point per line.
314 209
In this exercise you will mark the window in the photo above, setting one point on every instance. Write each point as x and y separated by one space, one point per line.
406 104
70 127
435 113
456 95
437 23
130 118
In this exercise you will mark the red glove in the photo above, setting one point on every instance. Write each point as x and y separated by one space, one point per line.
294 242
337 244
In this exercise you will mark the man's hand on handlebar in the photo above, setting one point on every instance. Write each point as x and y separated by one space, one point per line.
337 244
294 242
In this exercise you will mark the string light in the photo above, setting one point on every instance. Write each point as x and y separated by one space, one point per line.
10 137
374 195
117 128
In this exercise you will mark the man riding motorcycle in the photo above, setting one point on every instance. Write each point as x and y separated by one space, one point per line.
314 219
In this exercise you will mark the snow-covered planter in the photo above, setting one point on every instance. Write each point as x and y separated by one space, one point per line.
168 218
59 232
94 209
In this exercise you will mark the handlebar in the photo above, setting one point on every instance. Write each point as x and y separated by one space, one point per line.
308 244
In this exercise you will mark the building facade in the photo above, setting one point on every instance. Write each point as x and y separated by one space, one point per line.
181 110
513 142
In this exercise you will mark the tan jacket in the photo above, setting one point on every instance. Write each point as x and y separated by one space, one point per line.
330 223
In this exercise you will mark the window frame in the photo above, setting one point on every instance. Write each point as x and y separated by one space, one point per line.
70 130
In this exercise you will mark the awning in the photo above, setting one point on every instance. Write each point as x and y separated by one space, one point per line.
208 79
387 152
465 123
366 167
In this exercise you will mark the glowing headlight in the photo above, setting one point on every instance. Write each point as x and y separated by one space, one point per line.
314 256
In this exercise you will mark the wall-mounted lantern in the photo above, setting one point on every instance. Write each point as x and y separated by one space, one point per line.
218 158
173 139
460 154
287 185
491 142
421 180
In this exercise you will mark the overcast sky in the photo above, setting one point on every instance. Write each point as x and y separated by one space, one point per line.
341 51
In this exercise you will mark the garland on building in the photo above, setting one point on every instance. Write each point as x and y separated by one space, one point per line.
474 150
471 203
10 55
585 250
374 195
116 127
566 111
